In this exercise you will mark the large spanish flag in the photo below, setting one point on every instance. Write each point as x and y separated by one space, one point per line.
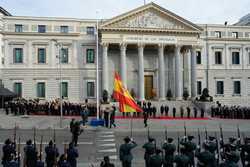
122 95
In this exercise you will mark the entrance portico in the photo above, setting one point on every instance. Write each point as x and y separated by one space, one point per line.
150 38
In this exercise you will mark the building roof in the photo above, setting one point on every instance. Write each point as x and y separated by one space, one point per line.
4 12
244 21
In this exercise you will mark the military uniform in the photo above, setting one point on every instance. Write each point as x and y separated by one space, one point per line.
181 160
149 150
30 154
189 147
205 158
51 154
8 150
170 149
229 162
156 160
125 152
72 154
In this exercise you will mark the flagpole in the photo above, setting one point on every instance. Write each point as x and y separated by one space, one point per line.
97 69
131 127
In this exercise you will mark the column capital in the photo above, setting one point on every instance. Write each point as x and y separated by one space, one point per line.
194 47
141 45
105 44
123 45
161 45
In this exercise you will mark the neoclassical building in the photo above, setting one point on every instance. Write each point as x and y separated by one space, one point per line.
154 50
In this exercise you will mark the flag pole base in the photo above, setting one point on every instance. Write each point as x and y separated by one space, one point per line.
97 122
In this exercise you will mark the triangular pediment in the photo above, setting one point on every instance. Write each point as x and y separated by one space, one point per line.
150 16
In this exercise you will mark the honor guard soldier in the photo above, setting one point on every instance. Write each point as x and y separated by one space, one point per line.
149 150
72 155
8 151
205 158
211 145
51 154
30 154
125 152
13 162
189 147
229 162
156 160
181 160
245 152
170 149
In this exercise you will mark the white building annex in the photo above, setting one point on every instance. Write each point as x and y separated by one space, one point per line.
153 49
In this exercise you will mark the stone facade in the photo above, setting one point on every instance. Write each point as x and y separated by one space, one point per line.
147 41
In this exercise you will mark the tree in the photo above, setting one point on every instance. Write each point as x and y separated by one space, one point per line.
185 94
169 94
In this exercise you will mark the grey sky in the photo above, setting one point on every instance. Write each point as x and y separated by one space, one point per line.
197 11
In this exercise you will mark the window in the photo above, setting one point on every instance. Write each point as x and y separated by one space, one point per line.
18 88
90 56
90 30
198 57
235 57
18 55
219 87
18 28
217 34
64 55
199 87
41 28
90 89
218 57
237 88
64 87
41 55
41 89
235 34
64 29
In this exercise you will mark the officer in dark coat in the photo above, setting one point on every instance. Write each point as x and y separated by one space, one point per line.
156 160
166 110
182 112
189 147
106 162
76 132
205 158
170 149
72 155
174 111
188 112
195 112
125 152
162 109
51 154
8 150
145 118
30 154
149 150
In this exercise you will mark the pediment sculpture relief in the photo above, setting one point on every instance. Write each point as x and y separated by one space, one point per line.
148 19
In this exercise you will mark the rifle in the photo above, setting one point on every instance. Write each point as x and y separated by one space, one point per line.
166 133
217 156
221 140
178 144
14 142
41 148
19 151
199 138
34 137
65 150
238 134
206 133
55 156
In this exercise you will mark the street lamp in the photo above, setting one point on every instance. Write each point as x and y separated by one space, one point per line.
59 56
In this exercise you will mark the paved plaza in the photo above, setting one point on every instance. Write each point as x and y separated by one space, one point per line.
95 142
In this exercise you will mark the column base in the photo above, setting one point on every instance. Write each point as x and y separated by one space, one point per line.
162 99
178 98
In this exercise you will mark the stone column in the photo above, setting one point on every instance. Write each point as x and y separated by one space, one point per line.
7 59
31 58
105 67
162 90
193 73
123 64
141 71
178 70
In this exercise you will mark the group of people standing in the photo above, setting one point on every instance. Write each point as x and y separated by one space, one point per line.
230 112
210 153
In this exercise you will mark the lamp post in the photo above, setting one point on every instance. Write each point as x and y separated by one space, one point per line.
59 56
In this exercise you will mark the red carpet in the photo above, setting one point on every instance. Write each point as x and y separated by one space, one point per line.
164 118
